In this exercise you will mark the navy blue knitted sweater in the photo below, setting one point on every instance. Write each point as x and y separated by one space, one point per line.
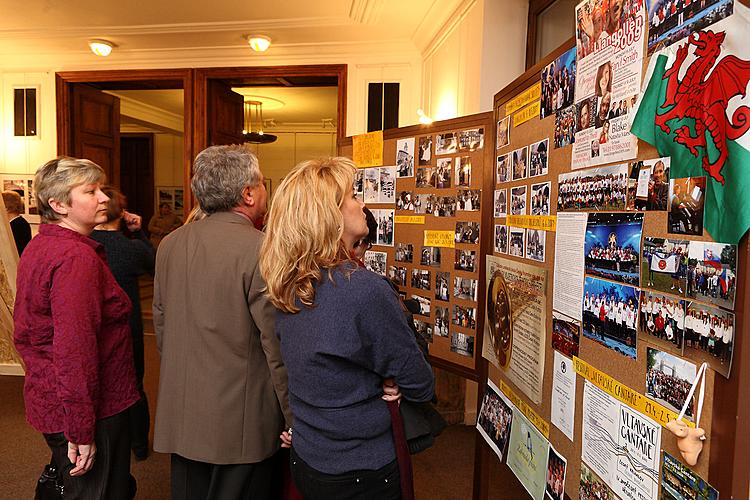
337 354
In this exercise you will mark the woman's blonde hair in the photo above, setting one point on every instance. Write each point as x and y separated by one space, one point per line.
303 230
56 178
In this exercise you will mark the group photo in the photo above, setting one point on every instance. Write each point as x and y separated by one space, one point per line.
602 188
662 320
612 244
494 419
709 336
610 315
665 265
669 379
712 273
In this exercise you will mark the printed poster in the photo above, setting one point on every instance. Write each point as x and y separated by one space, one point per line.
527 454
563 395
514 337
621 445
569 264
609 65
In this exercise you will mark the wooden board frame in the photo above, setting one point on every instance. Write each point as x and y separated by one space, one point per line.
722 462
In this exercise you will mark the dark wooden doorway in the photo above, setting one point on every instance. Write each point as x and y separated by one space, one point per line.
137 173
95 129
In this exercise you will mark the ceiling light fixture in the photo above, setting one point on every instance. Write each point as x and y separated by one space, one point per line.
101 47
259 43
423 118
254 114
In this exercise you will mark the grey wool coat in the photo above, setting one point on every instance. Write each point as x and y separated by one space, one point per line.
223 384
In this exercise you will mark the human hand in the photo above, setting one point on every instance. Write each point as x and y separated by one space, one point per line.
286 438
132 221
391 391
82 455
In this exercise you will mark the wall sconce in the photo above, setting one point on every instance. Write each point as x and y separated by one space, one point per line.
101 47
423 118
259 43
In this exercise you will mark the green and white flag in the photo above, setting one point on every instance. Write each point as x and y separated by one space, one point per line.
696 109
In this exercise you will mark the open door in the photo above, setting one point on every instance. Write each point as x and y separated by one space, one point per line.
225 114
95 129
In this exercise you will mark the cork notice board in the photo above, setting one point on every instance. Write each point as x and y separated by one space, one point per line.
494 479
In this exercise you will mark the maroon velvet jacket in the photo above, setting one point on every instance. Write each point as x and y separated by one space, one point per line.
71 329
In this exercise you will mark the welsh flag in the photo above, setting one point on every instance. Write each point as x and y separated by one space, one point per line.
664 264
696 109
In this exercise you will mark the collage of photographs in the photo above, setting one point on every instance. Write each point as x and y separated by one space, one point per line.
433 177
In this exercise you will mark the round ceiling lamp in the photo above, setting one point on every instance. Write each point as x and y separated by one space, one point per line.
101 47
259 43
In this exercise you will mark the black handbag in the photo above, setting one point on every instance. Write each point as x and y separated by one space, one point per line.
49 486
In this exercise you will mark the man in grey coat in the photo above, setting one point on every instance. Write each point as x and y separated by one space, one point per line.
223 386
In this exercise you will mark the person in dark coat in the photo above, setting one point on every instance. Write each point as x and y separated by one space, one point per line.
18 225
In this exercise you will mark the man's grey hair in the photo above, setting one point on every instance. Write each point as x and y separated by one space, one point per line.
220 173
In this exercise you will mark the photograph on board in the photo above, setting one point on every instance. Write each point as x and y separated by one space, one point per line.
469 200
518 200
387 185
503 132
397 275
375 261
372 185
425 177
420 279
565 127
446 143
442 319
664 266
359 184
540 195
405 157
685 206
384 218
558 84
465 317
669 379
592 486
712 273
430 256
501 203
440 206
538 158
466 260
566 334
678 482
648 185
467 232
443 173
516 241
661 321
424 329
405 201
404 252
465 288
495 418
501 239
535 244
670 21
424 304
610 312
502 172
601 188
709 337
585 114
612 246
555 482
463 171
519 162
462 344
425 150
471 139
442 286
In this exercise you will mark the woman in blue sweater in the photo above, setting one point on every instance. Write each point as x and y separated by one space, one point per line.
342 334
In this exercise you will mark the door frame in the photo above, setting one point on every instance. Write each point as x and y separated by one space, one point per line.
202 75
64 82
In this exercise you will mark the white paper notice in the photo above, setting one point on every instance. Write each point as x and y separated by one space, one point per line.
621 445
569 264
644 175
563 395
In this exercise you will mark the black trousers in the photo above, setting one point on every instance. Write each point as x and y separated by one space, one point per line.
193 480
109 478
139 416
381 484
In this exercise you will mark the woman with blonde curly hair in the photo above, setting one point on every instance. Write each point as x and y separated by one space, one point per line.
343 335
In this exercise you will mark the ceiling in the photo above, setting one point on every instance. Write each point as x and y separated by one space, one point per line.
48 28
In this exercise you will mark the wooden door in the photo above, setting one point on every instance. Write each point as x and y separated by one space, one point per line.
225 114
137 173
95 129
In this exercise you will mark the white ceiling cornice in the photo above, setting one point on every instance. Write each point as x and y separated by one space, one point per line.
442 15
446 29
149 113
366 11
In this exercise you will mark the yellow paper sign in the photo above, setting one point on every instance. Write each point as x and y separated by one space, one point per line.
439 239
625 394
367 149
527 410
546 222
530 94
410 219
526 114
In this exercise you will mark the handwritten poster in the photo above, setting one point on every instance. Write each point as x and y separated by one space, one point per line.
367 149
